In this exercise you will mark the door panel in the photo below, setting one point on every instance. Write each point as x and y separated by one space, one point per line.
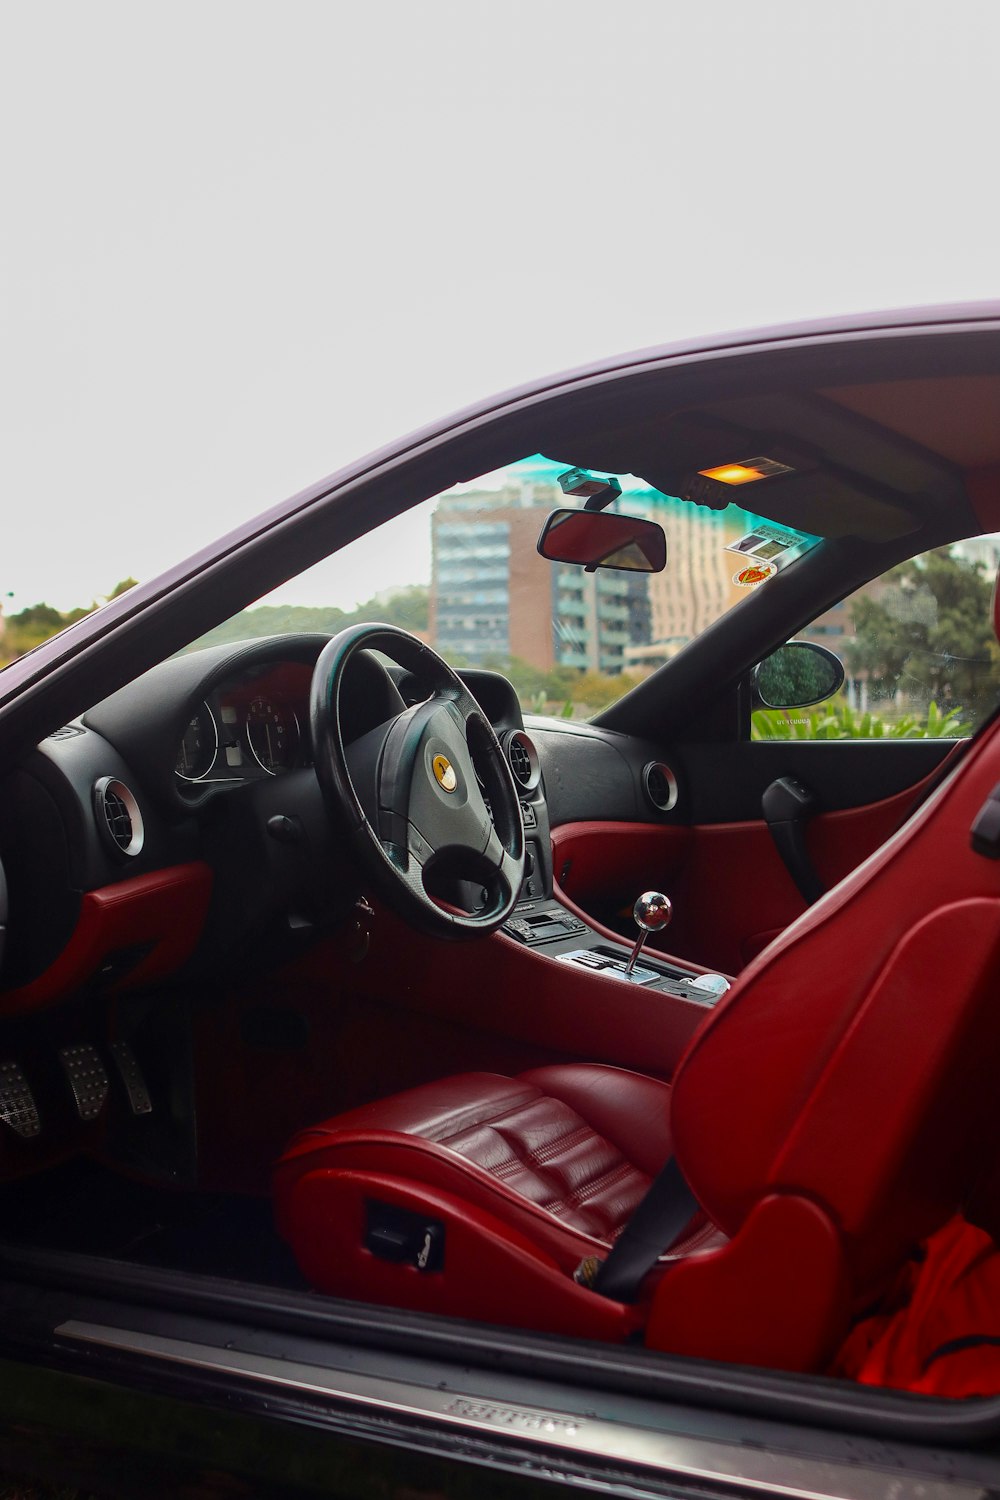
730 888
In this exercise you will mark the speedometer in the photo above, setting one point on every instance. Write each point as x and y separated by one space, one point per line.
198 748
272 734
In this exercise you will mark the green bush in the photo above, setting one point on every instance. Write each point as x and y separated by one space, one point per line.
838 721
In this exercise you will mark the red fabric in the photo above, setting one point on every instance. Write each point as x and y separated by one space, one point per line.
941 1333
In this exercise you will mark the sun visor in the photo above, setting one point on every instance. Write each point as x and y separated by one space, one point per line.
824 501
715 463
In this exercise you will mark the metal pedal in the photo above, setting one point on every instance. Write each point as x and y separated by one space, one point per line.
131 1076
18 1109
87 1077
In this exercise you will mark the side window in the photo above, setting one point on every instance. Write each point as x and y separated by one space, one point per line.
918 649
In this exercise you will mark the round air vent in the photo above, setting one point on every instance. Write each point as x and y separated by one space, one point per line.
522 757
118 816
660 785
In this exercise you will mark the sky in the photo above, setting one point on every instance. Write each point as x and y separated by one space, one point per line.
242 244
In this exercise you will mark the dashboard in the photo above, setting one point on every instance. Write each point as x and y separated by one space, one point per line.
180 820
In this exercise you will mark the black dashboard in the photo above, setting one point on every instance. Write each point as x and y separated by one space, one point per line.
204 765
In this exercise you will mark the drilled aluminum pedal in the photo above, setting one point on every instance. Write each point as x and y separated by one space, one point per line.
18 1109
131 1076
87 1077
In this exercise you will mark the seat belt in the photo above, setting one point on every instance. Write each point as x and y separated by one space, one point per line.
665 1211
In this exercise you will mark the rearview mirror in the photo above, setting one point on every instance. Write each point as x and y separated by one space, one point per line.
600 539
797 675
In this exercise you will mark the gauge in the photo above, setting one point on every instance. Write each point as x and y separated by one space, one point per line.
272 733
199 747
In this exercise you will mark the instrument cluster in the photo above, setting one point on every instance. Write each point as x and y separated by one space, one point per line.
247 728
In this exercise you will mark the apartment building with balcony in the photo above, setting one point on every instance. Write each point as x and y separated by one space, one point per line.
493 597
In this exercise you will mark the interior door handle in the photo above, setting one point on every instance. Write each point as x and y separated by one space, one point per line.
788 805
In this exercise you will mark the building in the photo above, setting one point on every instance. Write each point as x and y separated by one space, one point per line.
493 597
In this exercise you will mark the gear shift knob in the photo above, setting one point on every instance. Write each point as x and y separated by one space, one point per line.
652 913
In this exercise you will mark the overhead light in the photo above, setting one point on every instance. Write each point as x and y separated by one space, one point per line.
746 471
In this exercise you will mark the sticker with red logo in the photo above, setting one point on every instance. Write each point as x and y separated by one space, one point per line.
749 578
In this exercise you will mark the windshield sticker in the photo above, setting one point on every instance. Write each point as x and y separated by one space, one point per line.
772 545
756 573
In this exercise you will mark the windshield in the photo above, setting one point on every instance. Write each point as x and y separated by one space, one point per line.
462 571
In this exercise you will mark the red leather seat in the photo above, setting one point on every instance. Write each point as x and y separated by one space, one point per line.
530 1175
835 1108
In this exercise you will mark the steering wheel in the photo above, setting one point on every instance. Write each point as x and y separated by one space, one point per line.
411 795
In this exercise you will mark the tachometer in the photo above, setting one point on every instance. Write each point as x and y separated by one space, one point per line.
199 747
272 734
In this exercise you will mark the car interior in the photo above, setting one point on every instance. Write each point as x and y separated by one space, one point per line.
324 960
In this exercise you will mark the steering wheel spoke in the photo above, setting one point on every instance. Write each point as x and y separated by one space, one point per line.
508 868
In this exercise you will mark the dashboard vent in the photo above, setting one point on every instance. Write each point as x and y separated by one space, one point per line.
118 816
522 757
660 785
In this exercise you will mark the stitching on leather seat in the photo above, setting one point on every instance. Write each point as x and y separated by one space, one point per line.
543 1156
470 1118
583 1132
586 1190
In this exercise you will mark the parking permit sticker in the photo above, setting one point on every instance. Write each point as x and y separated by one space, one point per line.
748 578
770 544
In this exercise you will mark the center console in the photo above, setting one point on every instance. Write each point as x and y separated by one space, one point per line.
560 934
541 922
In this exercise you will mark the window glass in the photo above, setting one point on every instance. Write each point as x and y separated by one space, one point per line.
462 571
919 650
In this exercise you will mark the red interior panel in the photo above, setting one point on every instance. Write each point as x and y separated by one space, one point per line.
730 889
163 912
498 985
749 1302
490 1266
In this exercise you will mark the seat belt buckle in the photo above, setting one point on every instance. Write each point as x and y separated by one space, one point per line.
587 1271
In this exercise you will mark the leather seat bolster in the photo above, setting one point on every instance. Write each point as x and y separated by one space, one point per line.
430 1108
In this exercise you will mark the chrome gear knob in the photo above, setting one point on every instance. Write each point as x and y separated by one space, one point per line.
652 912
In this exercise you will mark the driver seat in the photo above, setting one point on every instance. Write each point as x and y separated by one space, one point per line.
833 1110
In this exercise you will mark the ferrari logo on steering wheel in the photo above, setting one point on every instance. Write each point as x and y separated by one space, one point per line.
444 771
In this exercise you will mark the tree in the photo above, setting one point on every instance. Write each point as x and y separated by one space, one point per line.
925 631
31 626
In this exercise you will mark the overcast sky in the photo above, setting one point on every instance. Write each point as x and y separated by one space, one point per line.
243 243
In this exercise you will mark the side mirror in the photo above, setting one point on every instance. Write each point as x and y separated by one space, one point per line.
600 539
797 675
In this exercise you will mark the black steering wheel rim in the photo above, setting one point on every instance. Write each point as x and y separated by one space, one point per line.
407 796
